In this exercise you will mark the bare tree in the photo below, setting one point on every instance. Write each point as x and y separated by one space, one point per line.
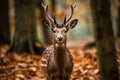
25 28
4 23
53 5
104 40
118 21
46 32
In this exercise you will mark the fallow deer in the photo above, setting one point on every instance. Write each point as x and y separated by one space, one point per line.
56 62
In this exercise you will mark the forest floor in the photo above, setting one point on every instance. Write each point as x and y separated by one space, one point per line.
27 66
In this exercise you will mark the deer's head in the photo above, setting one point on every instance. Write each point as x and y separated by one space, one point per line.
59 30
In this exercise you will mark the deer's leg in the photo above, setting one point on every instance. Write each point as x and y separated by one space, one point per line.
51 76
67 78
46 75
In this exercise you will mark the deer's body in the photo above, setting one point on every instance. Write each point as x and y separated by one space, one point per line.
59 68
56 61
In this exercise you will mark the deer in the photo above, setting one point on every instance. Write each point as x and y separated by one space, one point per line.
56 61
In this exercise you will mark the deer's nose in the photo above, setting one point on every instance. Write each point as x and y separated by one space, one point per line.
60 38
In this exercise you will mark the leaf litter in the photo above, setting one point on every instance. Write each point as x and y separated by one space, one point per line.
27 66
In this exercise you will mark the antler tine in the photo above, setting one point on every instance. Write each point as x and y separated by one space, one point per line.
46 11
55 21
65 19
72 10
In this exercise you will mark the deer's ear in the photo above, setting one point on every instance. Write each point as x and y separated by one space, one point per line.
72 23
45 23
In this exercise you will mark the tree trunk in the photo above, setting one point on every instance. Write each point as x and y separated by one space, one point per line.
4 23
46 32
25 28
118 21
53 5
104 40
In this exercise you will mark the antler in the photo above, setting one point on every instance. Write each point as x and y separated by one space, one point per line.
72 10
46 11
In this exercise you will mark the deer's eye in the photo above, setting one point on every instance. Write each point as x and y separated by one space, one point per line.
54 31
65 31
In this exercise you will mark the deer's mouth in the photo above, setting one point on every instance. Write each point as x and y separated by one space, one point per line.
60 41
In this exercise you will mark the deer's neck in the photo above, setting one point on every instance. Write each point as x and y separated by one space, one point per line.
60 56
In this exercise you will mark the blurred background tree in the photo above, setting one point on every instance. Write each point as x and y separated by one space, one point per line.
118 18
4 22
46 32
25 37
104 40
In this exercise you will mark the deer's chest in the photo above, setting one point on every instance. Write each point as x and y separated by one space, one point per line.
65 66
